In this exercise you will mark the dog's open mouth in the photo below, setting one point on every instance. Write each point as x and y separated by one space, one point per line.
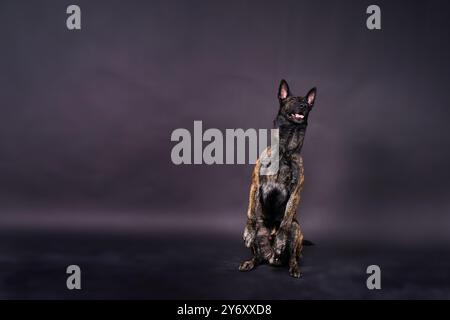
297 116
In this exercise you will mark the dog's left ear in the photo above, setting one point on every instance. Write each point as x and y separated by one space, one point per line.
311 96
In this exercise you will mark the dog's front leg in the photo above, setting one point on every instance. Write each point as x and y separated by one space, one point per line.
251 227
289 214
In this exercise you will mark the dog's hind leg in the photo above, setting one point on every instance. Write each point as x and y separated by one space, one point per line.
261 249
295 248
252 263
248 264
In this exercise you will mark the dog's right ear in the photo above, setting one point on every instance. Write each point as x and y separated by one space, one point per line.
283 90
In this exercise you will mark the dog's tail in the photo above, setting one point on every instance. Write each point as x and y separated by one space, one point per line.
307 243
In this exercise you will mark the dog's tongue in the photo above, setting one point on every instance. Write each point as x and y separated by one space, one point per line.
298 116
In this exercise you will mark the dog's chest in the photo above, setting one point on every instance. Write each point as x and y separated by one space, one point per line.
278 187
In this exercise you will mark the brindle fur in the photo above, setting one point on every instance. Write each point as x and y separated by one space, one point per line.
272 230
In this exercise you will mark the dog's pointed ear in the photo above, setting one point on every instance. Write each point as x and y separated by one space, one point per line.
283 90
311 96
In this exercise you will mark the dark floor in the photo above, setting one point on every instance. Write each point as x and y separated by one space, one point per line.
205 267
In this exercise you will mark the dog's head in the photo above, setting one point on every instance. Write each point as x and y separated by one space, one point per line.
294 110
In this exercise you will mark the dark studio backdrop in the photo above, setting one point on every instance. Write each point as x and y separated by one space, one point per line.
85 122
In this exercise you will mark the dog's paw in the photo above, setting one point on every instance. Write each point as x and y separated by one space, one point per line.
247 265
295 272
275 261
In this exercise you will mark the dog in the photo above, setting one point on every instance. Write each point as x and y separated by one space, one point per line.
272 230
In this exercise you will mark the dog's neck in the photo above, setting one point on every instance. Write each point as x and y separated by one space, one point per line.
291 140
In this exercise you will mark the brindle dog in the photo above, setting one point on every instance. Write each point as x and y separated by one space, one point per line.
272 230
